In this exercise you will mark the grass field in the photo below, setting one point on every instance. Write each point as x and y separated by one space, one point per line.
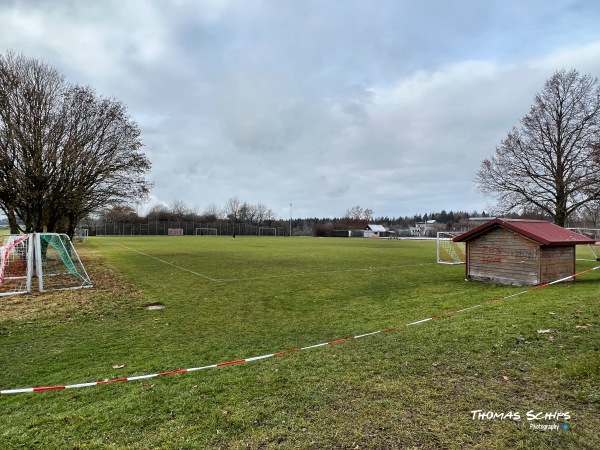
414 387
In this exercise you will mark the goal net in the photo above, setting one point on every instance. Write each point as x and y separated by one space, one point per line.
46 259
15 264
449 252
271 231
81 235
267 231
57 263
206 231
589 252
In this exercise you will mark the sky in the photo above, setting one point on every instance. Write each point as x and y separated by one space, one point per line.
313 106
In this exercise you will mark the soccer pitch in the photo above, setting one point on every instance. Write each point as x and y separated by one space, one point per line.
227 300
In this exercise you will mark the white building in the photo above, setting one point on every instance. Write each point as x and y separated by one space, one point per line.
423 228
374 231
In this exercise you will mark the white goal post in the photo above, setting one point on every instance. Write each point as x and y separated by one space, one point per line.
206 232
81 235
449 252
594 249
16 264
46 259
267 231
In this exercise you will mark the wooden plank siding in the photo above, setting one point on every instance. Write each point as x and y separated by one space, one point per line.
502 256
556 263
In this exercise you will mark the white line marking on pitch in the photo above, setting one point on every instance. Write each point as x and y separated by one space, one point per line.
167 262
221 280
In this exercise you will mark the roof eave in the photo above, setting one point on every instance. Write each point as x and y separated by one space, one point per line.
507 225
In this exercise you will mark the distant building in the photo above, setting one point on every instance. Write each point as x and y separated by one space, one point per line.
421 229
375 231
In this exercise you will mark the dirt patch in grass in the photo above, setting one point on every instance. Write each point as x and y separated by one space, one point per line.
109 292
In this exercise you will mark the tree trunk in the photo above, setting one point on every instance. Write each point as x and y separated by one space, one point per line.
560 216
12 221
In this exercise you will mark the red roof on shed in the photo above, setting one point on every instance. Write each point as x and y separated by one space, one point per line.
542 232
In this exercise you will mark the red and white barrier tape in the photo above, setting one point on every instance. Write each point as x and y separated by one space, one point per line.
280 353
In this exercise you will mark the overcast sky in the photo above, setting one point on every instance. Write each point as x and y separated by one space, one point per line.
387 104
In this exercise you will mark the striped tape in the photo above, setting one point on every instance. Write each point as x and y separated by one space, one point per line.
283 352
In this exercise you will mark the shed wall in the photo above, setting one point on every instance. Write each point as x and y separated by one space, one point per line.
501 256
556 263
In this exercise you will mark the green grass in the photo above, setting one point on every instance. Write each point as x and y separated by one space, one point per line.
225 299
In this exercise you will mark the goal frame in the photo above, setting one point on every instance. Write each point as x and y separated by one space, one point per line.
50 259
593 233
199 231
260 231
447 251
82 235
9 253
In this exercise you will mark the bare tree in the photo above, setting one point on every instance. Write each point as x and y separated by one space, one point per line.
261 213
179 210
269 217
551 162
590 214
212 212
26 88
159 211
65 152
232 209
355 213
121 213
246 213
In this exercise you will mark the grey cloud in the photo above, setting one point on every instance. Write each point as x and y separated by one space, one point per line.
326 105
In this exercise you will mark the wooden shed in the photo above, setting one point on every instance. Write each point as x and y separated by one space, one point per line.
520 252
